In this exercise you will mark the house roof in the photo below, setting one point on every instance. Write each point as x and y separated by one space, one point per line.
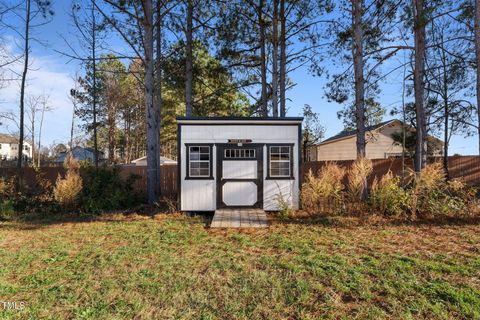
9 138
349 133
162 159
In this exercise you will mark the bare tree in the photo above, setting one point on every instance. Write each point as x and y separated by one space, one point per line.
33 105
32 10
45 107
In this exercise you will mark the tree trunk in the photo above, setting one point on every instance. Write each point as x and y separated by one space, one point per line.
419 85
445 142
275 59
22 95
40 132
189 60
94 83
158 81
111 133
477 60
263 62
71 128
446 109
283 59
33 133
152 113
359 79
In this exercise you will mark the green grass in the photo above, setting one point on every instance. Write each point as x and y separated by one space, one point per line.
175 268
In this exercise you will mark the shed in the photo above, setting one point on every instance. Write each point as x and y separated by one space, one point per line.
237 162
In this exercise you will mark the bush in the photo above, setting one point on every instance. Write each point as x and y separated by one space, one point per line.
105 190
387 197
431 195
67 191
324 191
7 210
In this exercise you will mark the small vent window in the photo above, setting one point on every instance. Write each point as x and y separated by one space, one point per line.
239 153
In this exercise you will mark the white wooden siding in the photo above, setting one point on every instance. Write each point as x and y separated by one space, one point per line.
200 195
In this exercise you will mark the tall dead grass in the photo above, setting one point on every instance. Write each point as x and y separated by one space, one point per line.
324 191
432 195
357 179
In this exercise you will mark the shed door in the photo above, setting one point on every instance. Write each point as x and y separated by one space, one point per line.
240 175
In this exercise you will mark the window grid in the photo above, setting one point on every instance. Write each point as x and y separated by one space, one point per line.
239 153
199 161
280 161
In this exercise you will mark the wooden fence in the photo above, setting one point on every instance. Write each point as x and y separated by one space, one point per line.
168 183
464 167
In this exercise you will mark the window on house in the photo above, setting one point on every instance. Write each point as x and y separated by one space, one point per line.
25 148
199 161
14 147
280 161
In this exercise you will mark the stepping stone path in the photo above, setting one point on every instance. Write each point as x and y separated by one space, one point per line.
239 218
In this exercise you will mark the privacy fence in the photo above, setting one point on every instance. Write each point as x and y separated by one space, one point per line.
466 168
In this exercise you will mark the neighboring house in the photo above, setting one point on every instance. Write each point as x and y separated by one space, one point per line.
80 154
379 143
143 161
9 147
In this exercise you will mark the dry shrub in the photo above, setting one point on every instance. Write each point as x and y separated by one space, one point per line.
357 179
7 187
67 191
324 191
432 195
387 196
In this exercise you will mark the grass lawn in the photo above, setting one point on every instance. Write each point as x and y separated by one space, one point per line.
171 267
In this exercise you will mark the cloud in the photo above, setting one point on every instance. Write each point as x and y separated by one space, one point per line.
47 75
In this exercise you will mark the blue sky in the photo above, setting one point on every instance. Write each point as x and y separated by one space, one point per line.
52 73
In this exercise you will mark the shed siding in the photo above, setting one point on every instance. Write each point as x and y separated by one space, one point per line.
200 195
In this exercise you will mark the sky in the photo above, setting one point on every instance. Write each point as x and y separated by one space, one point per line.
52 73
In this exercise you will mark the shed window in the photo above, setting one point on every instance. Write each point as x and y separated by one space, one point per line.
280 161
199 161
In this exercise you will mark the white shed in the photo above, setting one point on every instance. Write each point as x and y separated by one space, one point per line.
234 162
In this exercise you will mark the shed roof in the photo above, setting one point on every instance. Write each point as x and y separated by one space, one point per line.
237 120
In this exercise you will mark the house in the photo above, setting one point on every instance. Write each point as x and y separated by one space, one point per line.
142 161
236 162
9 147
79 154
379 143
